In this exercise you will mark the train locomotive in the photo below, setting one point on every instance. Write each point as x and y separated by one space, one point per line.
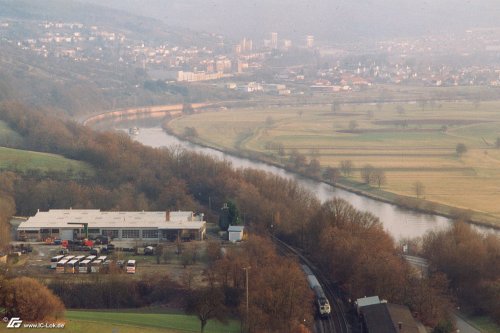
321 300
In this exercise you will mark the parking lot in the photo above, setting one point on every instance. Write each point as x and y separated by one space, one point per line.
37 262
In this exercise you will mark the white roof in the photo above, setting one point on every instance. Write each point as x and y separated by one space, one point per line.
365 301
59 218
236 228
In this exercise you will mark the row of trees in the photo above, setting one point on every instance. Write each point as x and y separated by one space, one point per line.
371 175
471 261
112 291
7 207
353 249
279 299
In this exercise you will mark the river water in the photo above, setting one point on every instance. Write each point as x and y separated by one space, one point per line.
399 222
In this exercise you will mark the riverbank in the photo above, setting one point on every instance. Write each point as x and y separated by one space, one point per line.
406 202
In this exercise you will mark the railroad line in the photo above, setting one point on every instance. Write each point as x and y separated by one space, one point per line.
337 321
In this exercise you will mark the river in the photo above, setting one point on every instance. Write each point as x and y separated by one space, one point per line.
399 222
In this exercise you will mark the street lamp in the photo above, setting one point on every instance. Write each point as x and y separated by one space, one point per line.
246 283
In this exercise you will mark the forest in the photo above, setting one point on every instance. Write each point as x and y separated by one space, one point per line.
350 246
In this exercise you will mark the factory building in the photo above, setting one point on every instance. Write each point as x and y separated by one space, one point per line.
70 224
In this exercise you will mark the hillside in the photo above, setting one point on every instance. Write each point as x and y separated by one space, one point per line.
145 28
89 82
23 160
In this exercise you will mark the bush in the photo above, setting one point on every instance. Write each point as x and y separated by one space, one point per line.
31 301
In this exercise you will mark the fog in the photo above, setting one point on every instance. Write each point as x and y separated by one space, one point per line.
332 20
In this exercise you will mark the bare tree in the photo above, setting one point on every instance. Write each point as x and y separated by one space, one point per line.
378 177
314 168
331 174
353 124
336 106
207 303
419 188
346 167
460 149
367 173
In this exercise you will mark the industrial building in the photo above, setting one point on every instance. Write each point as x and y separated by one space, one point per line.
70 224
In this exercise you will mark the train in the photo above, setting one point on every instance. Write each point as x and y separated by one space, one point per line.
321 300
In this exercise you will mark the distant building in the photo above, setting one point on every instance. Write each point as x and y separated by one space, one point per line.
276 89
287 44
235 233
274 40
242 66
246 45
198 76
310 41
69 224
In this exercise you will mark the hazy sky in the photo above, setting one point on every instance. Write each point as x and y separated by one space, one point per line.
326 19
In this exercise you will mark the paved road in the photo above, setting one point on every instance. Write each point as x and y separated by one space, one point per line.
463 326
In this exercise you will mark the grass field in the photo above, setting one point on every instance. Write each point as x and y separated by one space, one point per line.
7 135
27 160
140 321
412 143
485 324
17 159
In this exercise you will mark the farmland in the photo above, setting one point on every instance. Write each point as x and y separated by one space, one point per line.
410 142
146 321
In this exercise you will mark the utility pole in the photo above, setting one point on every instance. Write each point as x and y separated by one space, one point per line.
246 274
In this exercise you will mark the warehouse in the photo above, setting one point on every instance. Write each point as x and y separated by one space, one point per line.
69 224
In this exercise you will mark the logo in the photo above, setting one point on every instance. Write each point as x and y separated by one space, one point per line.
15 322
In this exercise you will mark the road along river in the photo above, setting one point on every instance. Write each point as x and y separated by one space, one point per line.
399 222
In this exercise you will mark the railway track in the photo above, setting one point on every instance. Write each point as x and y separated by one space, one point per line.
337 322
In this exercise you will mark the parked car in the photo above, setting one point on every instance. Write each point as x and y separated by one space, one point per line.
120 263
95 251
63 251
149 250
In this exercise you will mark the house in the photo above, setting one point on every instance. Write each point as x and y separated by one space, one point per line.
235 233
389 318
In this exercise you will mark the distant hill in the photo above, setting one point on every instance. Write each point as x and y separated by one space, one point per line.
69 87
92 14
334 20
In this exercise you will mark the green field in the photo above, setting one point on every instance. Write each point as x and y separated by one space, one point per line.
131 322
8 136
23 160
16 159
414 144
